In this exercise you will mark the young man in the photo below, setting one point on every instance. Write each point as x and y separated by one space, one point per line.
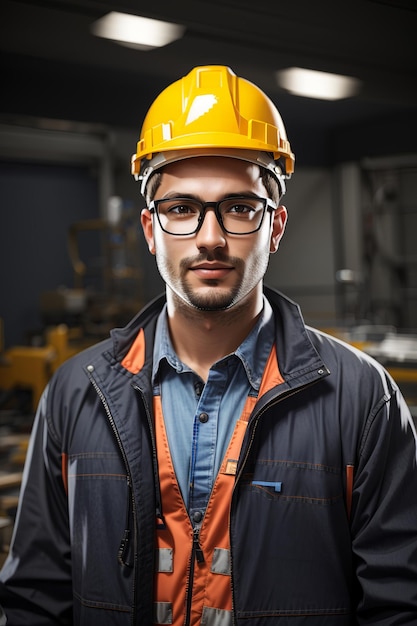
216 462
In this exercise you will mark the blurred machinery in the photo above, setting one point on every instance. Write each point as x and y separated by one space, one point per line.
25 370
379 288
106 293
396 351
107 285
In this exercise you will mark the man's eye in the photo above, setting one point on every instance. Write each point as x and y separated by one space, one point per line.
240 208
182 209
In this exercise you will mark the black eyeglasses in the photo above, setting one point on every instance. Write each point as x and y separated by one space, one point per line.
238 215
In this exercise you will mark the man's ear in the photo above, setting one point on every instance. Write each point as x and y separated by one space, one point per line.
147 227
278 227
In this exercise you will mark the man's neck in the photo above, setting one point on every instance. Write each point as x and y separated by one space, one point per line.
200 338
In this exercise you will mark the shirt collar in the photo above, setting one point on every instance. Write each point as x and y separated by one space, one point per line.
253 352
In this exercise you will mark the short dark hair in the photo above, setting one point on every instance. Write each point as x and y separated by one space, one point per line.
152 186
271 185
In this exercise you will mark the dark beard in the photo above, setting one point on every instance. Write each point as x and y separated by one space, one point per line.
210 302
213 301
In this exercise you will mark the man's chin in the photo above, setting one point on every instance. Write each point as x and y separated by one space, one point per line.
210 305
213 301
211 308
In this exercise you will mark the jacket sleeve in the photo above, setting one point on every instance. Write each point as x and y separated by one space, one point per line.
384 516
35 582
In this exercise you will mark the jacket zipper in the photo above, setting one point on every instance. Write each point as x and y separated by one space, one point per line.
255 421
124 544
158 503
126 536
257 417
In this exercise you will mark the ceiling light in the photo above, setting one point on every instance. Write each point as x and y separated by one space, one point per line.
313 84
135 31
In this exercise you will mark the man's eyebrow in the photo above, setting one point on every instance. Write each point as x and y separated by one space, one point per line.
171 195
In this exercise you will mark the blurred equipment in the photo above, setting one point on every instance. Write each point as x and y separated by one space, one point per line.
26 370
396 351
107 278
107 292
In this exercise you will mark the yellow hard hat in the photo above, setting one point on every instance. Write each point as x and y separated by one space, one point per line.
211 111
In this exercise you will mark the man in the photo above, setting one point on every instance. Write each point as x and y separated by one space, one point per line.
216 462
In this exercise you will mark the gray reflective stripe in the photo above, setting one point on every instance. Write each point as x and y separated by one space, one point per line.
221 561
216 617
162 613
163 560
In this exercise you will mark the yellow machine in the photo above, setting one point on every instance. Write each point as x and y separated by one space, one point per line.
31 367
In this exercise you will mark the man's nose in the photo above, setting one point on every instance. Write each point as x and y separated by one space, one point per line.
210 233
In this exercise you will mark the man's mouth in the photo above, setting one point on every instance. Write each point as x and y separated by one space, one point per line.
211 270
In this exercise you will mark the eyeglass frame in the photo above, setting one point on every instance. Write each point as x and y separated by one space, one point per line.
268 205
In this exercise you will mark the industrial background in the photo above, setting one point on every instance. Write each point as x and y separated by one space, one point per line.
73 262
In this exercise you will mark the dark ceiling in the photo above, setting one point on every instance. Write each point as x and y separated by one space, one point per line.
53 67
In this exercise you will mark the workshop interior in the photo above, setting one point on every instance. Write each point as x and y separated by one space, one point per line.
74 263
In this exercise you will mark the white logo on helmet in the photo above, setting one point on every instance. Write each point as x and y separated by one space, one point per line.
200 106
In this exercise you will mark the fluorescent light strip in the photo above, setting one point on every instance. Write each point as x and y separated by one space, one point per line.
314 84
135 31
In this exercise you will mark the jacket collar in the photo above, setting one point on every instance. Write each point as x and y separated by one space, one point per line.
296 352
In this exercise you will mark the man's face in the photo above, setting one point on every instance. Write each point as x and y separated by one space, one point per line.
212 270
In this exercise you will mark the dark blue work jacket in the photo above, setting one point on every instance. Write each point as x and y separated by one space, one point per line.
336 546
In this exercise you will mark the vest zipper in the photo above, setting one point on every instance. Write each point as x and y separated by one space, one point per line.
196 556
126 535
196 546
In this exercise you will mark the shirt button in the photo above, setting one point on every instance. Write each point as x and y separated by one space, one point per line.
197 516
198 386
203 417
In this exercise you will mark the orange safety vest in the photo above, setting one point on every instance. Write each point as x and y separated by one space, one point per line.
193 573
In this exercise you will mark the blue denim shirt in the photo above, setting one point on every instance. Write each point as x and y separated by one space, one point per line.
200 418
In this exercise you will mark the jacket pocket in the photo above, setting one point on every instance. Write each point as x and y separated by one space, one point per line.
289 522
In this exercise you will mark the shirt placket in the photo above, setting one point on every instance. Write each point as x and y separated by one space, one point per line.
204 441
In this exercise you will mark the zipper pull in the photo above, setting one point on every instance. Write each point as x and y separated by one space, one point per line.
197 548
122 553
